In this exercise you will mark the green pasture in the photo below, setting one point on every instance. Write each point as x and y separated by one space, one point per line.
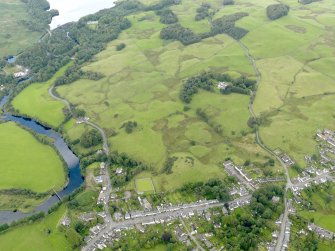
142 84
35 102
293 127
35 236
14 36
27 163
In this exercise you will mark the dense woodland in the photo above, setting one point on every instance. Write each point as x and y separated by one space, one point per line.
275 11
209 80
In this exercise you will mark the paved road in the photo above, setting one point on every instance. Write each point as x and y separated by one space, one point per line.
155 215
281 235
191 236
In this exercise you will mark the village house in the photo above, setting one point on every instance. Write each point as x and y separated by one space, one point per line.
119 171
223 85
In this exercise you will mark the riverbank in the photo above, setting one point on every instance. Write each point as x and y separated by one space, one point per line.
74 176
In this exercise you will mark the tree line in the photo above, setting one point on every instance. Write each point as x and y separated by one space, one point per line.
74 73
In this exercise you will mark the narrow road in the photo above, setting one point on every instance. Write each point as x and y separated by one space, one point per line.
191 236
68 106
280 240
105 147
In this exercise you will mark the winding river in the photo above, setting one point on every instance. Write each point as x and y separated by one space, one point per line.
74 177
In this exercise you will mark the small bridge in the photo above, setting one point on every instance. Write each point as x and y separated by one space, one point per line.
57 194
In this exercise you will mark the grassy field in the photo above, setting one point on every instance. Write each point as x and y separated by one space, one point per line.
294 55
27 163
143 85
35 236
34 101
14 36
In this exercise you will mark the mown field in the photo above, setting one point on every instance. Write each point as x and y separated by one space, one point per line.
27 163
14 36
41 235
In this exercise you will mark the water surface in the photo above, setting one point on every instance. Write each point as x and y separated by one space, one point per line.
73 10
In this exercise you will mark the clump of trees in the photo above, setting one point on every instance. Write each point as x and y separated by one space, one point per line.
90 138
167 16
167 168
207 81
129 126
262 205
275 11
212 189
203 12
177 32
131 167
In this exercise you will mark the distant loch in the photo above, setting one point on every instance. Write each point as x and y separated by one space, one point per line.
73 10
